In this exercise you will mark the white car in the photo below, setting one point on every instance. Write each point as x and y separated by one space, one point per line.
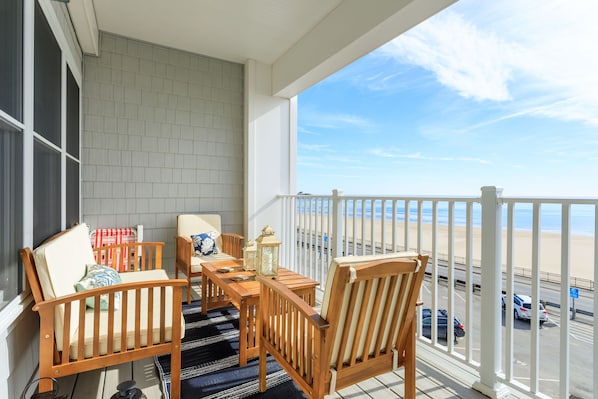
522 306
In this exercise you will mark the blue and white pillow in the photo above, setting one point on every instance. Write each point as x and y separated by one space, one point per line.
99 276
205 243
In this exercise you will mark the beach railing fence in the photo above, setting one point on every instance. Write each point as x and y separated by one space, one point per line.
487 241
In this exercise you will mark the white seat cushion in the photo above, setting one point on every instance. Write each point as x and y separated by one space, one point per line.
60 264
196 260
128 278
63 261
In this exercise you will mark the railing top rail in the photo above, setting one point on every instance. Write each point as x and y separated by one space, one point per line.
304 196
424 198
387 197
549 200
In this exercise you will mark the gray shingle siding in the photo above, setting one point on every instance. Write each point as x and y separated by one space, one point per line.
162 135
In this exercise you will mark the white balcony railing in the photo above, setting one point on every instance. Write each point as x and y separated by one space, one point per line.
480 248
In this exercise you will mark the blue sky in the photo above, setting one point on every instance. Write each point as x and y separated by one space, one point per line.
501 93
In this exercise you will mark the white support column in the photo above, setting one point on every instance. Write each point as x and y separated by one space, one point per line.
270 148
491 326
337 223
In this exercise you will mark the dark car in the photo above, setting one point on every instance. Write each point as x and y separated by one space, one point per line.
441 323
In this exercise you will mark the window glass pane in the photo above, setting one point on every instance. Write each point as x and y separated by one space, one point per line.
72 192
11 54
46 192
72 115
47 81
11 212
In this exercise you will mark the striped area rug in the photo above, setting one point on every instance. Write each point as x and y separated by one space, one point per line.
210 361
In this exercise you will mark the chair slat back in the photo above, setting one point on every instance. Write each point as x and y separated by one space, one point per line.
370 299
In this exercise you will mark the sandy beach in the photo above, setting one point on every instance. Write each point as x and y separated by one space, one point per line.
581 248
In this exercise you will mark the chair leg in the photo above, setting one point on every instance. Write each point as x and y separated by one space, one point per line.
189 290
262 368
175 382
410 364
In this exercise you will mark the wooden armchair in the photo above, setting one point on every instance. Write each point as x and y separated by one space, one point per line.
137 318
228 245
366 326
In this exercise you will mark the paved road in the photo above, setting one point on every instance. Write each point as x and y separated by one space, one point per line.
580 343
549 292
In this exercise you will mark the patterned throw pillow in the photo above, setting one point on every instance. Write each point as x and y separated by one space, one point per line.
99 276
205 243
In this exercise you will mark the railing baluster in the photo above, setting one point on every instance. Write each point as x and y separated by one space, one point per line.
373 226
363 236
395 221
420 230
337 225
383 226
509 289
354 252
535 282
565 326
469 281
451 273
434 293
407 223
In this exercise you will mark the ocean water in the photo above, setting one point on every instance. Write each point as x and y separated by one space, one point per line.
582 217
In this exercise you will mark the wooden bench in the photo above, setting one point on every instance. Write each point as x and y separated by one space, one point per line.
141 318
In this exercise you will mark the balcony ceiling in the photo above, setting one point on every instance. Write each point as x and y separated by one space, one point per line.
233 30
303 40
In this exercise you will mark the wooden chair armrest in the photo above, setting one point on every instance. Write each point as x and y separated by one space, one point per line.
232 244
131 257
123 287
184 250
298 304
292 332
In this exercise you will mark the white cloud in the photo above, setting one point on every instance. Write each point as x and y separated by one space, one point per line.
325 158
334 121
419 155
383 153
538 55
396 153
461 56
314 147
303 130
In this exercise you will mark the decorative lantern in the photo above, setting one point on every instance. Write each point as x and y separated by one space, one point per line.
268 250
249 254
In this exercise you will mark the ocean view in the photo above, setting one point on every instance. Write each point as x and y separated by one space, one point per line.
368 210
582 217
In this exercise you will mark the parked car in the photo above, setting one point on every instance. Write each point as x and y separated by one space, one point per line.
522 306
441 324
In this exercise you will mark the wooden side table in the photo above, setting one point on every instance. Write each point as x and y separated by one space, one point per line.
225 282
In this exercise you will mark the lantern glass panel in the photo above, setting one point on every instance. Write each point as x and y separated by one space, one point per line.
268 246
249 255
269 261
